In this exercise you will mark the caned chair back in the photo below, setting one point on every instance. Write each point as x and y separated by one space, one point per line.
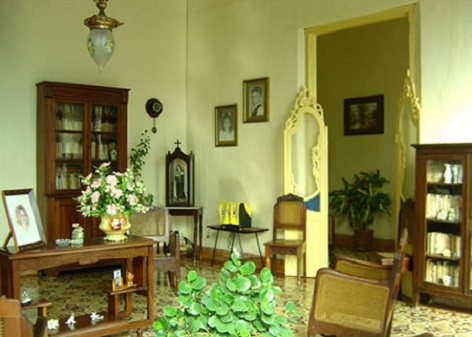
156 224
289 214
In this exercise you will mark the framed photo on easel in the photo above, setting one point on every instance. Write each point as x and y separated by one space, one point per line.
25 224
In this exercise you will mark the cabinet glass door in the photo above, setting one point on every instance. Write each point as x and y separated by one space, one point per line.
69 145
104 146
443 208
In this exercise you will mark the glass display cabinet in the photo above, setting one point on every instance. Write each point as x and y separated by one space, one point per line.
442 248
79 127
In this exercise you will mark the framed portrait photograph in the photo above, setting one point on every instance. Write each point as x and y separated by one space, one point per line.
364 115
180 177
226 125
23 218
256 100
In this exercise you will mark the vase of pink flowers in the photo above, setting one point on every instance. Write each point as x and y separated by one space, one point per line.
113 196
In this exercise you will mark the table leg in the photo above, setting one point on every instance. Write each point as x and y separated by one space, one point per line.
200 220
240 247
232 237
195 237
214 248
260 253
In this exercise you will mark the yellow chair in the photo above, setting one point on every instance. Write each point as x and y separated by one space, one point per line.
345 305
289 214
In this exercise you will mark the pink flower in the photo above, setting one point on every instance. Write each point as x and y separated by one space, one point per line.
96 183
112 209
111 180
95 197
132 199
104 165
116 193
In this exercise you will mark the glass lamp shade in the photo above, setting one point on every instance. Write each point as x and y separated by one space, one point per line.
101 45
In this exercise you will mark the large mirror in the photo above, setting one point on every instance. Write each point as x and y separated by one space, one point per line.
406 134
305 174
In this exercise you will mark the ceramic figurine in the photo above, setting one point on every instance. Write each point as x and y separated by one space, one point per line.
77 234
95 317
53 324
71 320
24 297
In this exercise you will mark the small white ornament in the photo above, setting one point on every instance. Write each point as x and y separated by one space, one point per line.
71 320
53 324
95 317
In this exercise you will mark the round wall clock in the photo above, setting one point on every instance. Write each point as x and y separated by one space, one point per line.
154 108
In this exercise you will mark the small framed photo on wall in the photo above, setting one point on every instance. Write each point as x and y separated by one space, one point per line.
256 100
364 115
226 125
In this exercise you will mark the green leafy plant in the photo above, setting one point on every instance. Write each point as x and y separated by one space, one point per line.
240 304
361 199
138 153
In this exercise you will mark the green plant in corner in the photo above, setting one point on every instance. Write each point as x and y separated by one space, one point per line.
138 153
361 199
240 304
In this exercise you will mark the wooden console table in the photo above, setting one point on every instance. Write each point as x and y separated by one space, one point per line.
197 213
137 253
236 230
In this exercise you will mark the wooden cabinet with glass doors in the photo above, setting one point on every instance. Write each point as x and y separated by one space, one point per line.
78 127
442 247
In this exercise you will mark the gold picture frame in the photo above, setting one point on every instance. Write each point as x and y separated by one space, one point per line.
226 125
256 100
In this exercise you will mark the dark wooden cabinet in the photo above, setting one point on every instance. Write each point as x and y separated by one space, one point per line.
78 127
443 214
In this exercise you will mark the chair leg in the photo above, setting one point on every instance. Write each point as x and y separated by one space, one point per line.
171 276
267 257
299 267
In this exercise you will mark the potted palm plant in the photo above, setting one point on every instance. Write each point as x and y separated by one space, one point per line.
359 201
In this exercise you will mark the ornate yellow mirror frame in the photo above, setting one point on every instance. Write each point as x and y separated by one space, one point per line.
407 133
305 174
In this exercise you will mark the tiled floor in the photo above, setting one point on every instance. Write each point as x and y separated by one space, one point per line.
83 292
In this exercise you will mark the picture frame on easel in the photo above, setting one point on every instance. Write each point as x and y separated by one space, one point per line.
24 221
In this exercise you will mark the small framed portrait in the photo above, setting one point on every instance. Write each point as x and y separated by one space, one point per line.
256 100
180 177
364 115
23 219
226 125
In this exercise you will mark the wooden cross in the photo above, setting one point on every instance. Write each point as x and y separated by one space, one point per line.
177 143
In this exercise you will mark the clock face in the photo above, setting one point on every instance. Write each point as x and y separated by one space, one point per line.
154 107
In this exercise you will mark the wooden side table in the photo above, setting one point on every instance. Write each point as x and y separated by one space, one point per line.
236 230
197 213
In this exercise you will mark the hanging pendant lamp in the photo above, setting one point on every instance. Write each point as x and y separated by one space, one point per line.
100 41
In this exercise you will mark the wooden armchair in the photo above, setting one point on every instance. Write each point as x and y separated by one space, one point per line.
345 305
157 225
13 324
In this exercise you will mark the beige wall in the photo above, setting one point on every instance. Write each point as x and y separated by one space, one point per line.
228 41
364 61
46 41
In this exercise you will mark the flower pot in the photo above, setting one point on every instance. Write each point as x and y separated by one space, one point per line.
363 239
115 227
